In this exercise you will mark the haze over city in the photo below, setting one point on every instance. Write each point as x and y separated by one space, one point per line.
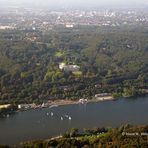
73 3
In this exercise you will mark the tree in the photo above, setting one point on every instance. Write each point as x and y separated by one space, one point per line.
74 132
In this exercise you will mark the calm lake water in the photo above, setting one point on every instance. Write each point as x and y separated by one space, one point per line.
39 124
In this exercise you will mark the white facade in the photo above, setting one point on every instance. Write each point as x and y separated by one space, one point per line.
65 67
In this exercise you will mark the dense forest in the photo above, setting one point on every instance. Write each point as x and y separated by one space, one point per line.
110 60
126 136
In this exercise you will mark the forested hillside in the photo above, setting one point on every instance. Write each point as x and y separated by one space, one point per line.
110 60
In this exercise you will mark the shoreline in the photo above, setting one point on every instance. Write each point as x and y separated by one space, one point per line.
51 104
63 102
57 103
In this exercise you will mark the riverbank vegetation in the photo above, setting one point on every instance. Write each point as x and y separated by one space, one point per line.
111 60
123 137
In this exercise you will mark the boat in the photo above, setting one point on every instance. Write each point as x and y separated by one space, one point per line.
47 114
69 118
61 118
51 113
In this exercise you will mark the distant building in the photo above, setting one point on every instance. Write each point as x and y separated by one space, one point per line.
83 101
71 68
19 106
23 106
6 27
26 106
33 28
104 96
69 25
62 65
5 106
65 67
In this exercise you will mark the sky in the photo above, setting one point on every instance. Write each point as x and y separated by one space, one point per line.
73 3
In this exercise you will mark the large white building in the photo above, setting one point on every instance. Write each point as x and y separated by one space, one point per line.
72 68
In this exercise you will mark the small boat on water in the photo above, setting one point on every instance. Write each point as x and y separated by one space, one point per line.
47 114
61 118
69 118
51 113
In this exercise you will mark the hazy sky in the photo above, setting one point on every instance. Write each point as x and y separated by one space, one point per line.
71 3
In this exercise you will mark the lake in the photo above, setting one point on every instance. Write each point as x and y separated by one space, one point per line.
40 124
